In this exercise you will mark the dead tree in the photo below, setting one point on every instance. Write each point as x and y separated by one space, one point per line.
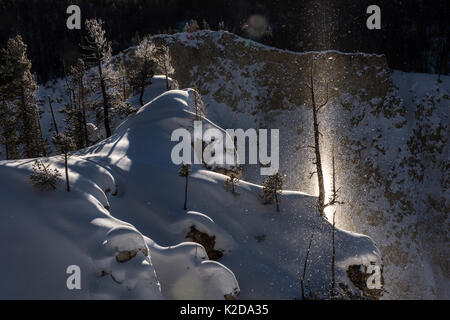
302 280
316 108
185 171
318 161
334 198
333 258
50 100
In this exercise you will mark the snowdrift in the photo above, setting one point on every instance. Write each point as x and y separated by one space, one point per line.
124 225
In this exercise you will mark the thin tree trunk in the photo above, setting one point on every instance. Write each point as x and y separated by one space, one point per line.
67 85
83 112
28 141
276 201
44 153
6 149
167 77
53 115
302 281
105 101
67 171
333 258
317 148
141 94
185 193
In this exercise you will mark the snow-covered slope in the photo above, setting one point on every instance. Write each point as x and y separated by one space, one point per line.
127 197
389 131
391 145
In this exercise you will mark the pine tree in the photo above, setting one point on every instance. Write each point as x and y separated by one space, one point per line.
191 26
231 183
98 54
19 92
8 136
185 171
64 143
144 66
205 25
43 177
221 26
76 115
199 106
271 187
123 75
164 62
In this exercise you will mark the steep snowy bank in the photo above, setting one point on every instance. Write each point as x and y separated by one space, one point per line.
130 177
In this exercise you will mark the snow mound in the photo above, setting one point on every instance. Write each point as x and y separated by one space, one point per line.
124 225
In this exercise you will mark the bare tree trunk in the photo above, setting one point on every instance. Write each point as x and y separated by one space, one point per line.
167 77
141 94
105 100
318 161
83 112
302 281
276 201
185 193
42 141
67 84
53 115
67 171
6 149
333 258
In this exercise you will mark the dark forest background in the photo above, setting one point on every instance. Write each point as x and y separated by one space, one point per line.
413 36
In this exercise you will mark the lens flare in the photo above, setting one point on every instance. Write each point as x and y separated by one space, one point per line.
257 27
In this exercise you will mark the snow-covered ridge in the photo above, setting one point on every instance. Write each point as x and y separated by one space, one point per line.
381 134
127 198
391 144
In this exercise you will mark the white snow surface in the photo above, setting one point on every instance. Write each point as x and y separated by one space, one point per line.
127 195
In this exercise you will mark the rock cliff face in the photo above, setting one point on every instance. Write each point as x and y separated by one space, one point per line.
390 153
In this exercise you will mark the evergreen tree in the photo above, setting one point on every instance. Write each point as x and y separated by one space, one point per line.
64 143
205 25
8 136
144 66
19 93
271 187
123 74
76 113
231 183
191 26
164 62
199 106
98 54
43 177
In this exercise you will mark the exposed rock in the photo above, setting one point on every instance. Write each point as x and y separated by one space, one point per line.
385 153
124 256
207 241
359 279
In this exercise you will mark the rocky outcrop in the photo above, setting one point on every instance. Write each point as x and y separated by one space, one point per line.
379 145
